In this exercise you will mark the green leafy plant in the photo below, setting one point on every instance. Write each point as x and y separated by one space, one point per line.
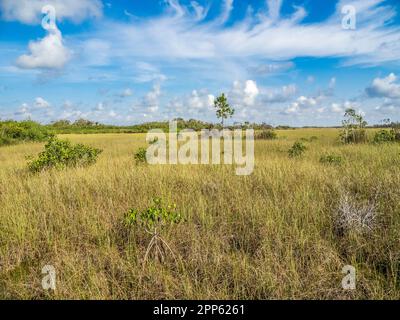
331 159
297 150
60 154
153 220
396 131
12 132
224 110
140 156
384 136
267 135
156 216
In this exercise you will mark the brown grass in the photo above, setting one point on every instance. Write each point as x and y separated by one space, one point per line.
270 235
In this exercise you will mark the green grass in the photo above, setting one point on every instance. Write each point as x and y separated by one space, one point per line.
266 236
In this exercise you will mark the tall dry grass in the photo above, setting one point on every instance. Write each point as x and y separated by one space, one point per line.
266 236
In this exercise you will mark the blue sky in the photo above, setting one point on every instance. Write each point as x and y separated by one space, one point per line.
130 61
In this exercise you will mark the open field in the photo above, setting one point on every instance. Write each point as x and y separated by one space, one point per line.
273 234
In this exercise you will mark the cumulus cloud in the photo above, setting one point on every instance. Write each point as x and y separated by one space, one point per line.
341 107
385 87
150 103
337 108
29 11
46 53
198 104
40 107
244 94
200 100
41 103
388 106
300 104
24 111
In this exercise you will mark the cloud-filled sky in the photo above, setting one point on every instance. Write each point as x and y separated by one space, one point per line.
295 62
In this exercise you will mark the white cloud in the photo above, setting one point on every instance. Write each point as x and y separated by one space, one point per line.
341 107
274 8
389 106
29 11
182 36
47 53
199 104
250 92
244 94
151 101
227 7
41 103
385 87
40 106
24 111
113 114
200 100
99 107
200 11
302 104
337 108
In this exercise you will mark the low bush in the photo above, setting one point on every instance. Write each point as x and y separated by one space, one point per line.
267 135
297 150
12 132
384 136
140 156
60 154
331 159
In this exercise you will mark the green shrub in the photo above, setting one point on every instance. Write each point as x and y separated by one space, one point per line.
297 150
60 154
140 156
331 159
155 216
384 136
313 138
12 132
267 135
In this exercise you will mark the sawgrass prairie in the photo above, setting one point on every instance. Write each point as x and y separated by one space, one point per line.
273 234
